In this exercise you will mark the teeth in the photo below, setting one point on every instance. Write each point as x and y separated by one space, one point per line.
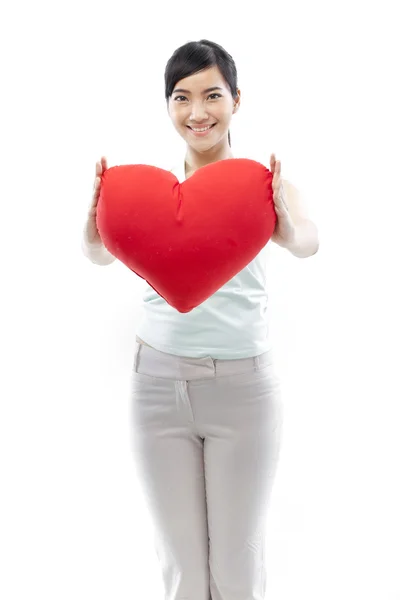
199 130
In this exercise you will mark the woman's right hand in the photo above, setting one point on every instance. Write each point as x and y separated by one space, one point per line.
92 231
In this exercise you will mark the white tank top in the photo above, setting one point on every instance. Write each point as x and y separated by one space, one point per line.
231 324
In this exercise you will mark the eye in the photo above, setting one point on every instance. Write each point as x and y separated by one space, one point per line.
215 94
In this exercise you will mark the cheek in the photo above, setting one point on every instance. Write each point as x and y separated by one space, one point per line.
223 114
175 113
179 117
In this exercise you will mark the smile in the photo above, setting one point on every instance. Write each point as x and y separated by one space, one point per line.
201 130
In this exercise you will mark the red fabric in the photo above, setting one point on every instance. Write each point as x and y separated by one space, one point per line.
187 239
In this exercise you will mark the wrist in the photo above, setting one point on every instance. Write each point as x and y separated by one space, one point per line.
305 240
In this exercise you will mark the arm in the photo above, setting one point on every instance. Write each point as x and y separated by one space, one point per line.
306 240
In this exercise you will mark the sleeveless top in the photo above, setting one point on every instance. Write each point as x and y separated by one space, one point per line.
231 324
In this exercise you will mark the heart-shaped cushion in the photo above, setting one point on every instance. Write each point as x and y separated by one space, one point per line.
187 239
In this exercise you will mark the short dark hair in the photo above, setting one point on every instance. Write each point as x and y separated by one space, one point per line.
196 56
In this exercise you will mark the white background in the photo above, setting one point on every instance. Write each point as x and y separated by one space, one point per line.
82 79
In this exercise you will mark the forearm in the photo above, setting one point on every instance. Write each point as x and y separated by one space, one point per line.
306 240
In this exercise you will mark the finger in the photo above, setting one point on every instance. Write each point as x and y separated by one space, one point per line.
96 185
276 180
99 168
282 197
104 163
272 162
96 196
277 174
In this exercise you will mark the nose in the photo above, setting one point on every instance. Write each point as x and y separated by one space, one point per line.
198 113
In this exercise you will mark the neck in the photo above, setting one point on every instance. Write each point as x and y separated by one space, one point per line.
195 160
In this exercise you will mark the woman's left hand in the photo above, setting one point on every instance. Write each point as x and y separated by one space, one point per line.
284 233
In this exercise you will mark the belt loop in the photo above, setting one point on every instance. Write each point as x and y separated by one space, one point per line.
256 363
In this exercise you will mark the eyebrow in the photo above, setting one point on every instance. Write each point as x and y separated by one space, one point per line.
204 91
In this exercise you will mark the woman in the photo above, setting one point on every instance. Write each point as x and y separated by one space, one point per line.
206 406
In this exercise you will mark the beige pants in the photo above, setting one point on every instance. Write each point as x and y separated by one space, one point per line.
206 437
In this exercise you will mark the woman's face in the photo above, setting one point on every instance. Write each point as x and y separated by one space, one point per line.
194 105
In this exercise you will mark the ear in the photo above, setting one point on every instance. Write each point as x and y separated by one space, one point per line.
237 102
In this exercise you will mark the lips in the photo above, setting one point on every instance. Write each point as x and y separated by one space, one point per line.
211 125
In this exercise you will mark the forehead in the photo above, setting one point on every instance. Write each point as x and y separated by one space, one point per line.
202 80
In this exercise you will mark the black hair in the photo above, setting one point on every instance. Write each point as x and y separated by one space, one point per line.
196 56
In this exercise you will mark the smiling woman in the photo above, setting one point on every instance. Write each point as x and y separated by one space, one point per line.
206 408
201 92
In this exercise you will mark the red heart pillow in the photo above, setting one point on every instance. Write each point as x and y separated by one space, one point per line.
187 239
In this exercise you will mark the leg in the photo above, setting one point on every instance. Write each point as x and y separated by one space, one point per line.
169 457
241 457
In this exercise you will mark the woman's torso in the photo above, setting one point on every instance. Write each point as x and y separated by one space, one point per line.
232 323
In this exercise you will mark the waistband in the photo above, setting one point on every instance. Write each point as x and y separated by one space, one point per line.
155 363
